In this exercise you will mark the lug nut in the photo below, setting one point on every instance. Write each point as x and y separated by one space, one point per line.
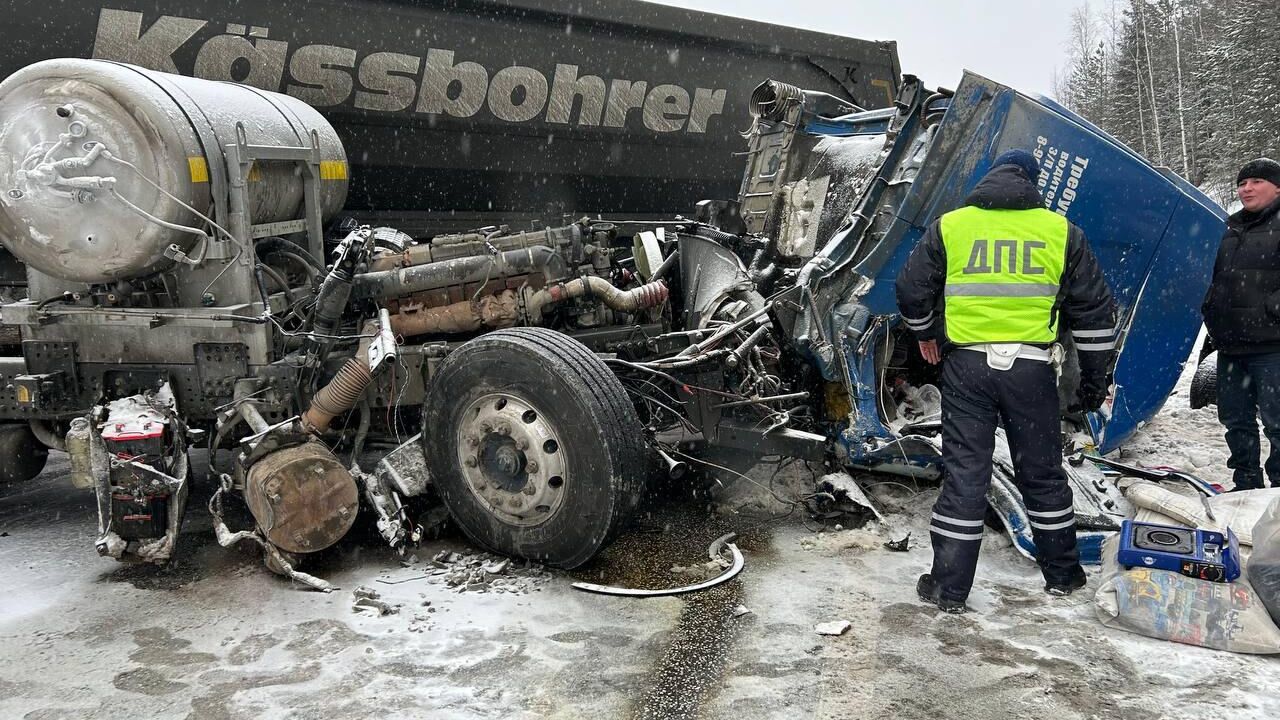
504 429
522 444
531 466
473 441
470 462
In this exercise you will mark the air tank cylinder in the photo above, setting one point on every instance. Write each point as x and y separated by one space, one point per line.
65 203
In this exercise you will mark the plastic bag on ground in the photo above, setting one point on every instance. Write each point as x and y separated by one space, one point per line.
1169 606
1264 564
1239 511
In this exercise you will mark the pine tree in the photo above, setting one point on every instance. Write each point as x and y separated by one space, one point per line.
1194 84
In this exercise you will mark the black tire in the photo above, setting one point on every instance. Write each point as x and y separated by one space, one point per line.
22 456
574 394
1204 384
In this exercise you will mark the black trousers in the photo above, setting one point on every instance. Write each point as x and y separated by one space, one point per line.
1249 386
1024 399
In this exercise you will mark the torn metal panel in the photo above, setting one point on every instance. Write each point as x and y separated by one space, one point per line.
847 490
405 468
1099 505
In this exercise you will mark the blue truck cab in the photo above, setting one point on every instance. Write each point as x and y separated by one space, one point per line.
864 186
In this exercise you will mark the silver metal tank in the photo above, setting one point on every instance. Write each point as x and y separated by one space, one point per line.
65 204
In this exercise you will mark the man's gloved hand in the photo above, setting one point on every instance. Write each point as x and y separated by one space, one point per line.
1089 396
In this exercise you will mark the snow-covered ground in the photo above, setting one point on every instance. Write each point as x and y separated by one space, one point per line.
220 637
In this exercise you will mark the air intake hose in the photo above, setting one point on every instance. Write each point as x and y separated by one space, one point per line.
339 396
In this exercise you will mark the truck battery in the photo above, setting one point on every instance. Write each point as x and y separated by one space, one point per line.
139 502
1194 552
138 436
139 517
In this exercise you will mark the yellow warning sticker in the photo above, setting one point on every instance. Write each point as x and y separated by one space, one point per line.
199 169
255 174
23 395
333 170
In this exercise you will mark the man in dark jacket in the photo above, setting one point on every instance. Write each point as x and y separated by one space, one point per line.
984 291
1242 314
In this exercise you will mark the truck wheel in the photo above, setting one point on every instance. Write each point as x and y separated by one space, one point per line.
533 445
22 456
1204 384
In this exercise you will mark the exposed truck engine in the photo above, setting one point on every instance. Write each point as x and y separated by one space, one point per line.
183 287
192 283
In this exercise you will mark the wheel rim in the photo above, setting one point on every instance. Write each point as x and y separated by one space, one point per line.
512 459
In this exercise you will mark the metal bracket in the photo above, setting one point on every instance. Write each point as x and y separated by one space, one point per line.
218 366
53 357
240 159
383 348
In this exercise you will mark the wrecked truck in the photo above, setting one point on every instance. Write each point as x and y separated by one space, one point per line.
192 282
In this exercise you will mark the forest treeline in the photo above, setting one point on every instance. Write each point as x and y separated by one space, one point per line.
1191 84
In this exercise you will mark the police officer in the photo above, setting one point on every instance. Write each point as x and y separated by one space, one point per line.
985 291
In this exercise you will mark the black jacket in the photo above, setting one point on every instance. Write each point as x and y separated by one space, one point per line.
1084 303
1242 308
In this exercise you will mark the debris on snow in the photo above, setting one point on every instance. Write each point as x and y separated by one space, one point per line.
483 572
835 627
497 568
367 601
902 545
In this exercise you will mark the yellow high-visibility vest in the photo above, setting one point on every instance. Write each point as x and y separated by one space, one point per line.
1004 268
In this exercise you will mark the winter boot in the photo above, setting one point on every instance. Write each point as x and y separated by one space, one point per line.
930 592
1063 588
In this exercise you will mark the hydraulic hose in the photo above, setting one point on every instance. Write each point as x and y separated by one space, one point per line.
270 245
739 354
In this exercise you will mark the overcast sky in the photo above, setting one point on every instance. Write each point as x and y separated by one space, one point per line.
1015 42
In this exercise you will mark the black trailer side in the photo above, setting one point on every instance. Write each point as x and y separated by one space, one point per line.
460 112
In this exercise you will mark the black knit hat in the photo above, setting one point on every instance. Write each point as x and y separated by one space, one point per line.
1263 169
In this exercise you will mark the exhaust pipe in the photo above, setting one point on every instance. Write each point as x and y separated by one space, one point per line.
642 298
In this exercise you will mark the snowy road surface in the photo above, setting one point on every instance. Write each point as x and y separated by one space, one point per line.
220 637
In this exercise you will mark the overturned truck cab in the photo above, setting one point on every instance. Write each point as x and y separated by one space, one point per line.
192 282
857 191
